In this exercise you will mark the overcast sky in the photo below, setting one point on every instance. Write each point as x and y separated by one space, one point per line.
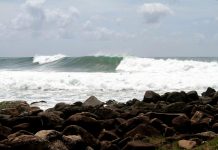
144 28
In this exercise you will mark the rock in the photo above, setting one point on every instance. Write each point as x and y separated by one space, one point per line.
181 123
197 117
151 96
90 124
187 144
92 101
132 123
106 113
28 142
35 110
4 132
214 99
107 136
51 119
208 135
110 124
209 92
131 102
88 138
57 145
144 130
192 96
106 145
4 147
49 135
14 108
139 145
22 126
74 142
176 107
176 97
33 103
18 133
215 127
164 117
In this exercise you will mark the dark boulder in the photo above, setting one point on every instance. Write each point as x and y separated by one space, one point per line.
192 96
176 97
57 145
176 107
139 145
107 136
74 142
151 96
181 123
209 92
4 132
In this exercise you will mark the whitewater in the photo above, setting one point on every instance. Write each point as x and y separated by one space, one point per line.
59 78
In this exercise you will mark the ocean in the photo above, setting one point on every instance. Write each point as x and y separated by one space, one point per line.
59 78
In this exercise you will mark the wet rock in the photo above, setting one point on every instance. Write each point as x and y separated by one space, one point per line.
107 136
49 135
151 96
29 142
209 92
176 97
181 123
74 142
57 145
144 130
4 132
89 139
192 95
139 145
176 107
88 123
187 144
51 119
92 101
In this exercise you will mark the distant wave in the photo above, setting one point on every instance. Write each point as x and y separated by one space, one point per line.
47 59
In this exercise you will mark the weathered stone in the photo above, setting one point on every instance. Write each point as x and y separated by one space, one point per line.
92 101
51 119
107 136
88 123
176 97
4 132
86 136
187 144
151 96
74 142
49 135
57 145
181 123
144 130
209 92
28 142
139 145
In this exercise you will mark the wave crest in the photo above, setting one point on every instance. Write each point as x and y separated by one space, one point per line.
47 59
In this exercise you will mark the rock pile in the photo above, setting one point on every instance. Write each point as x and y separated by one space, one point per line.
186 118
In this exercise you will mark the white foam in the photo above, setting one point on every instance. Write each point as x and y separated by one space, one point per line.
134 76
47 59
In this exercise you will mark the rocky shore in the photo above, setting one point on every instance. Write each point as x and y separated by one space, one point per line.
174 120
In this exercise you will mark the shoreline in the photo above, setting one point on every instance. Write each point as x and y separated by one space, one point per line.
168 121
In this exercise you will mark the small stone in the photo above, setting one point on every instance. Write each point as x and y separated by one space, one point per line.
187 144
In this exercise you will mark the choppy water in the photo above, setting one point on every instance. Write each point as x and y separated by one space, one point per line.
68 79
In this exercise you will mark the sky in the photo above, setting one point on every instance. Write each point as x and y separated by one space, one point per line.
144 28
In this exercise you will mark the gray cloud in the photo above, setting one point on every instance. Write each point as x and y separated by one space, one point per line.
154 12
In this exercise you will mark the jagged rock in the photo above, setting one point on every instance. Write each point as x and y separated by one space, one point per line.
107 136
209 92
88 138
187 144
92 101
28 142
139 145
88 123
176 97
74 142
4 132
49 135
181 123
151 96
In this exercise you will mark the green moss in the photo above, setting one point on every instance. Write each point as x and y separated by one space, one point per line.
9 104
